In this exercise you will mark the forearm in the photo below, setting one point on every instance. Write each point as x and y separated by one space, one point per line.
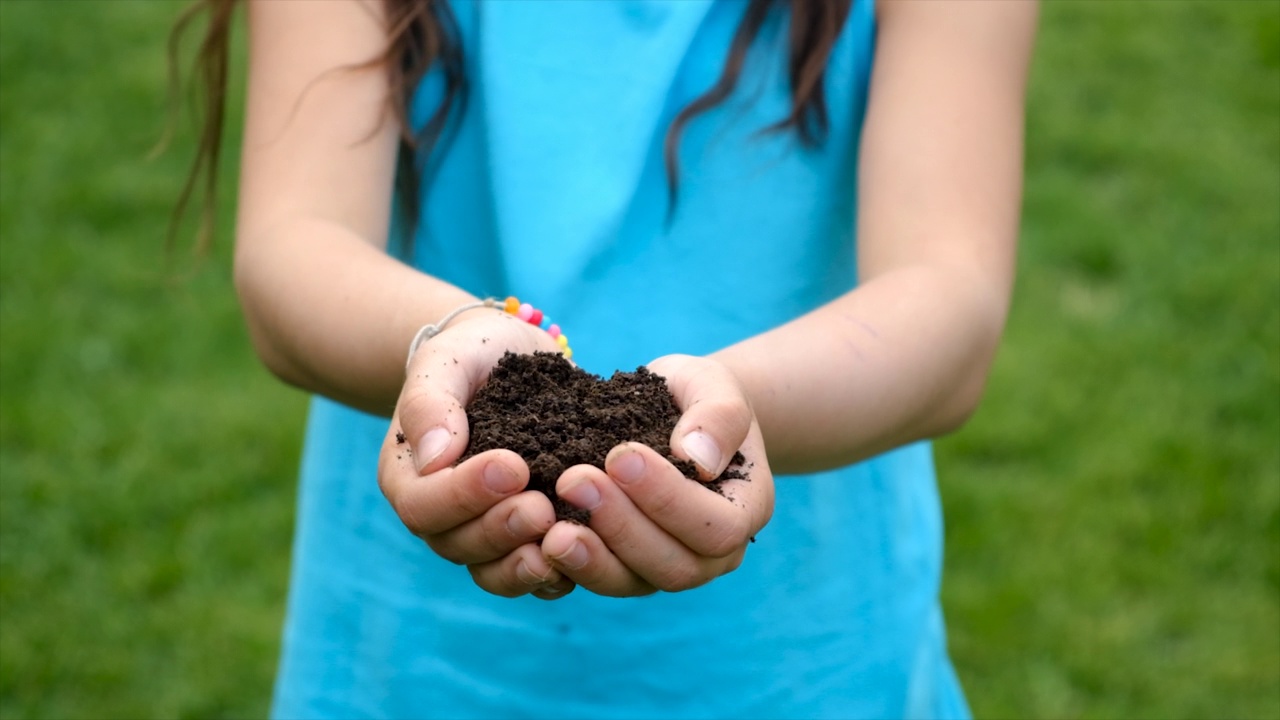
332 313
902 358
905 355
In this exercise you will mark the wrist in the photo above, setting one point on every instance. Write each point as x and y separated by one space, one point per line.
508 310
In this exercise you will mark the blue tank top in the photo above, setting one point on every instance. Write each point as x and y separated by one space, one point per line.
553 189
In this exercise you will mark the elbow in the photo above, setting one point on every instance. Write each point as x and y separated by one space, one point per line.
961 406
967 388
990 309
271 355
253 292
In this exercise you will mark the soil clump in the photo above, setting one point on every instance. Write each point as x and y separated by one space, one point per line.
556 415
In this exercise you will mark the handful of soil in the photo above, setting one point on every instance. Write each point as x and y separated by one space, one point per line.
556 415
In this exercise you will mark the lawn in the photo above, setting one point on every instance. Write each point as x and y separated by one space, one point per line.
1113 509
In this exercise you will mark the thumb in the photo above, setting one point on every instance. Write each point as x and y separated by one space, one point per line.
432 410
716 415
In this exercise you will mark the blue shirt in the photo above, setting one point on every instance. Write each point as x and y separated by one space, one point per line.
553 190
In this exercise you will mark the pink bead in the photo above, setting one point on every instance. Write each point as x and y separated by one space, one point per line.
525 311
536 317
554 330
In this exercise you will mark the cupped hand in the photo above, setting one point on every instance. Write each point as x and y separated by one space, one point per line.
477 513
653 529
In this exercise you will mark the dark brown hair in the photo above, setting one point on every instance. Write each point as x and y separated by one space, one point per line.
423 34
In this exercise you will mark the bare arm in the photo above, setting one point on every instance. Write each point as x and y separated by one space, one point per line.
327 309
902 357
905 355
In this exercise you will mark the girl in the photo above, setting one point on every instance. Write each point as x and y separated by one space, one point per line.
803 214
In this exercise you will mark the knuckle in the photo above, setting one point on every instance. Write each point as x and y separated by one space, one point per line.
735 561
404 510
446 549
621 588
725 537
612 531
662 503
676 577
468 544
439 507
415 402
730 412
417 405
466 499
485 578
384 476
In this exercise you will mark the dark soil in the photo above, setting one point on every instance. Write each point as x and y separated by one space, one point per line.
556 415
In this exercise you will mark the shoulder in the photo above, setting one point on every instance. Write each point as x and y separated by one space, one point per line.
977 43
1014 19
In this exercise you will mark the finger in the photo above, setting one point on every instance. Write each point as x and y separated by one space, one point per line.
517 520
521 572
431 414
580 555
709 523
716 416
556 590
640 545
449 497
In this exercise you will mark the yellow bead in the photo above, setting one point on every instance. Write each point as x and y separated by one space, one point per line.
563 340
512 306
567 353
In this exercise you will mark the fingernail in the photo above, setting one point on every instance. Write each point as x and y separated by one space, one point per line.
526 575
519 526
628 468
583 495
575 557
499 478
702 449
430 446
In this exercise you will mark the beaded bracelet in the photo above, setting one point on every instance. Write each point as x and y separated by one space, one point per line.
511 306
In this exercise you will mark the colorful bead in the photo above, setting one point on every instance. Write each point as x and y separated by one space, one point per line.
511 306
533 316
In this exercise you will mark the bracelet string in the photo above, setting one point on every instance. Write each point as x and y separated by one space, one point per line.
510 306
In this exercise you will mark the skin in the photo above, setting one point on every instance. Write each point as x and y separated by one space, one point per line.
902 357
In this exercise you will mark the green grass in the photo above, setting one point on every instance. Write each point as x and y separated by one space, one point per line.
1113 509
148 462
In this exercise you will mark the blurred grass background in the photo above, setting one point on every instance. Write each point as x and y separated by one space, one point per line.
1113 509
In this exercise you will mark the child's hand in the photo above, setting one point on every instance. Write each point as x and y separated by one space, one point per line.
651 527
475 514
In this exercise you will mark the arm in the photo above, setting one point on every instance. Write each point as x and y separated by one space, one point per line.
902 357
905 355
329 311
326 308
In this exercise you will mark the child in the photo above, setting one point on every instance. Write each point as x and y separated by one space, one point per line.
802 214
